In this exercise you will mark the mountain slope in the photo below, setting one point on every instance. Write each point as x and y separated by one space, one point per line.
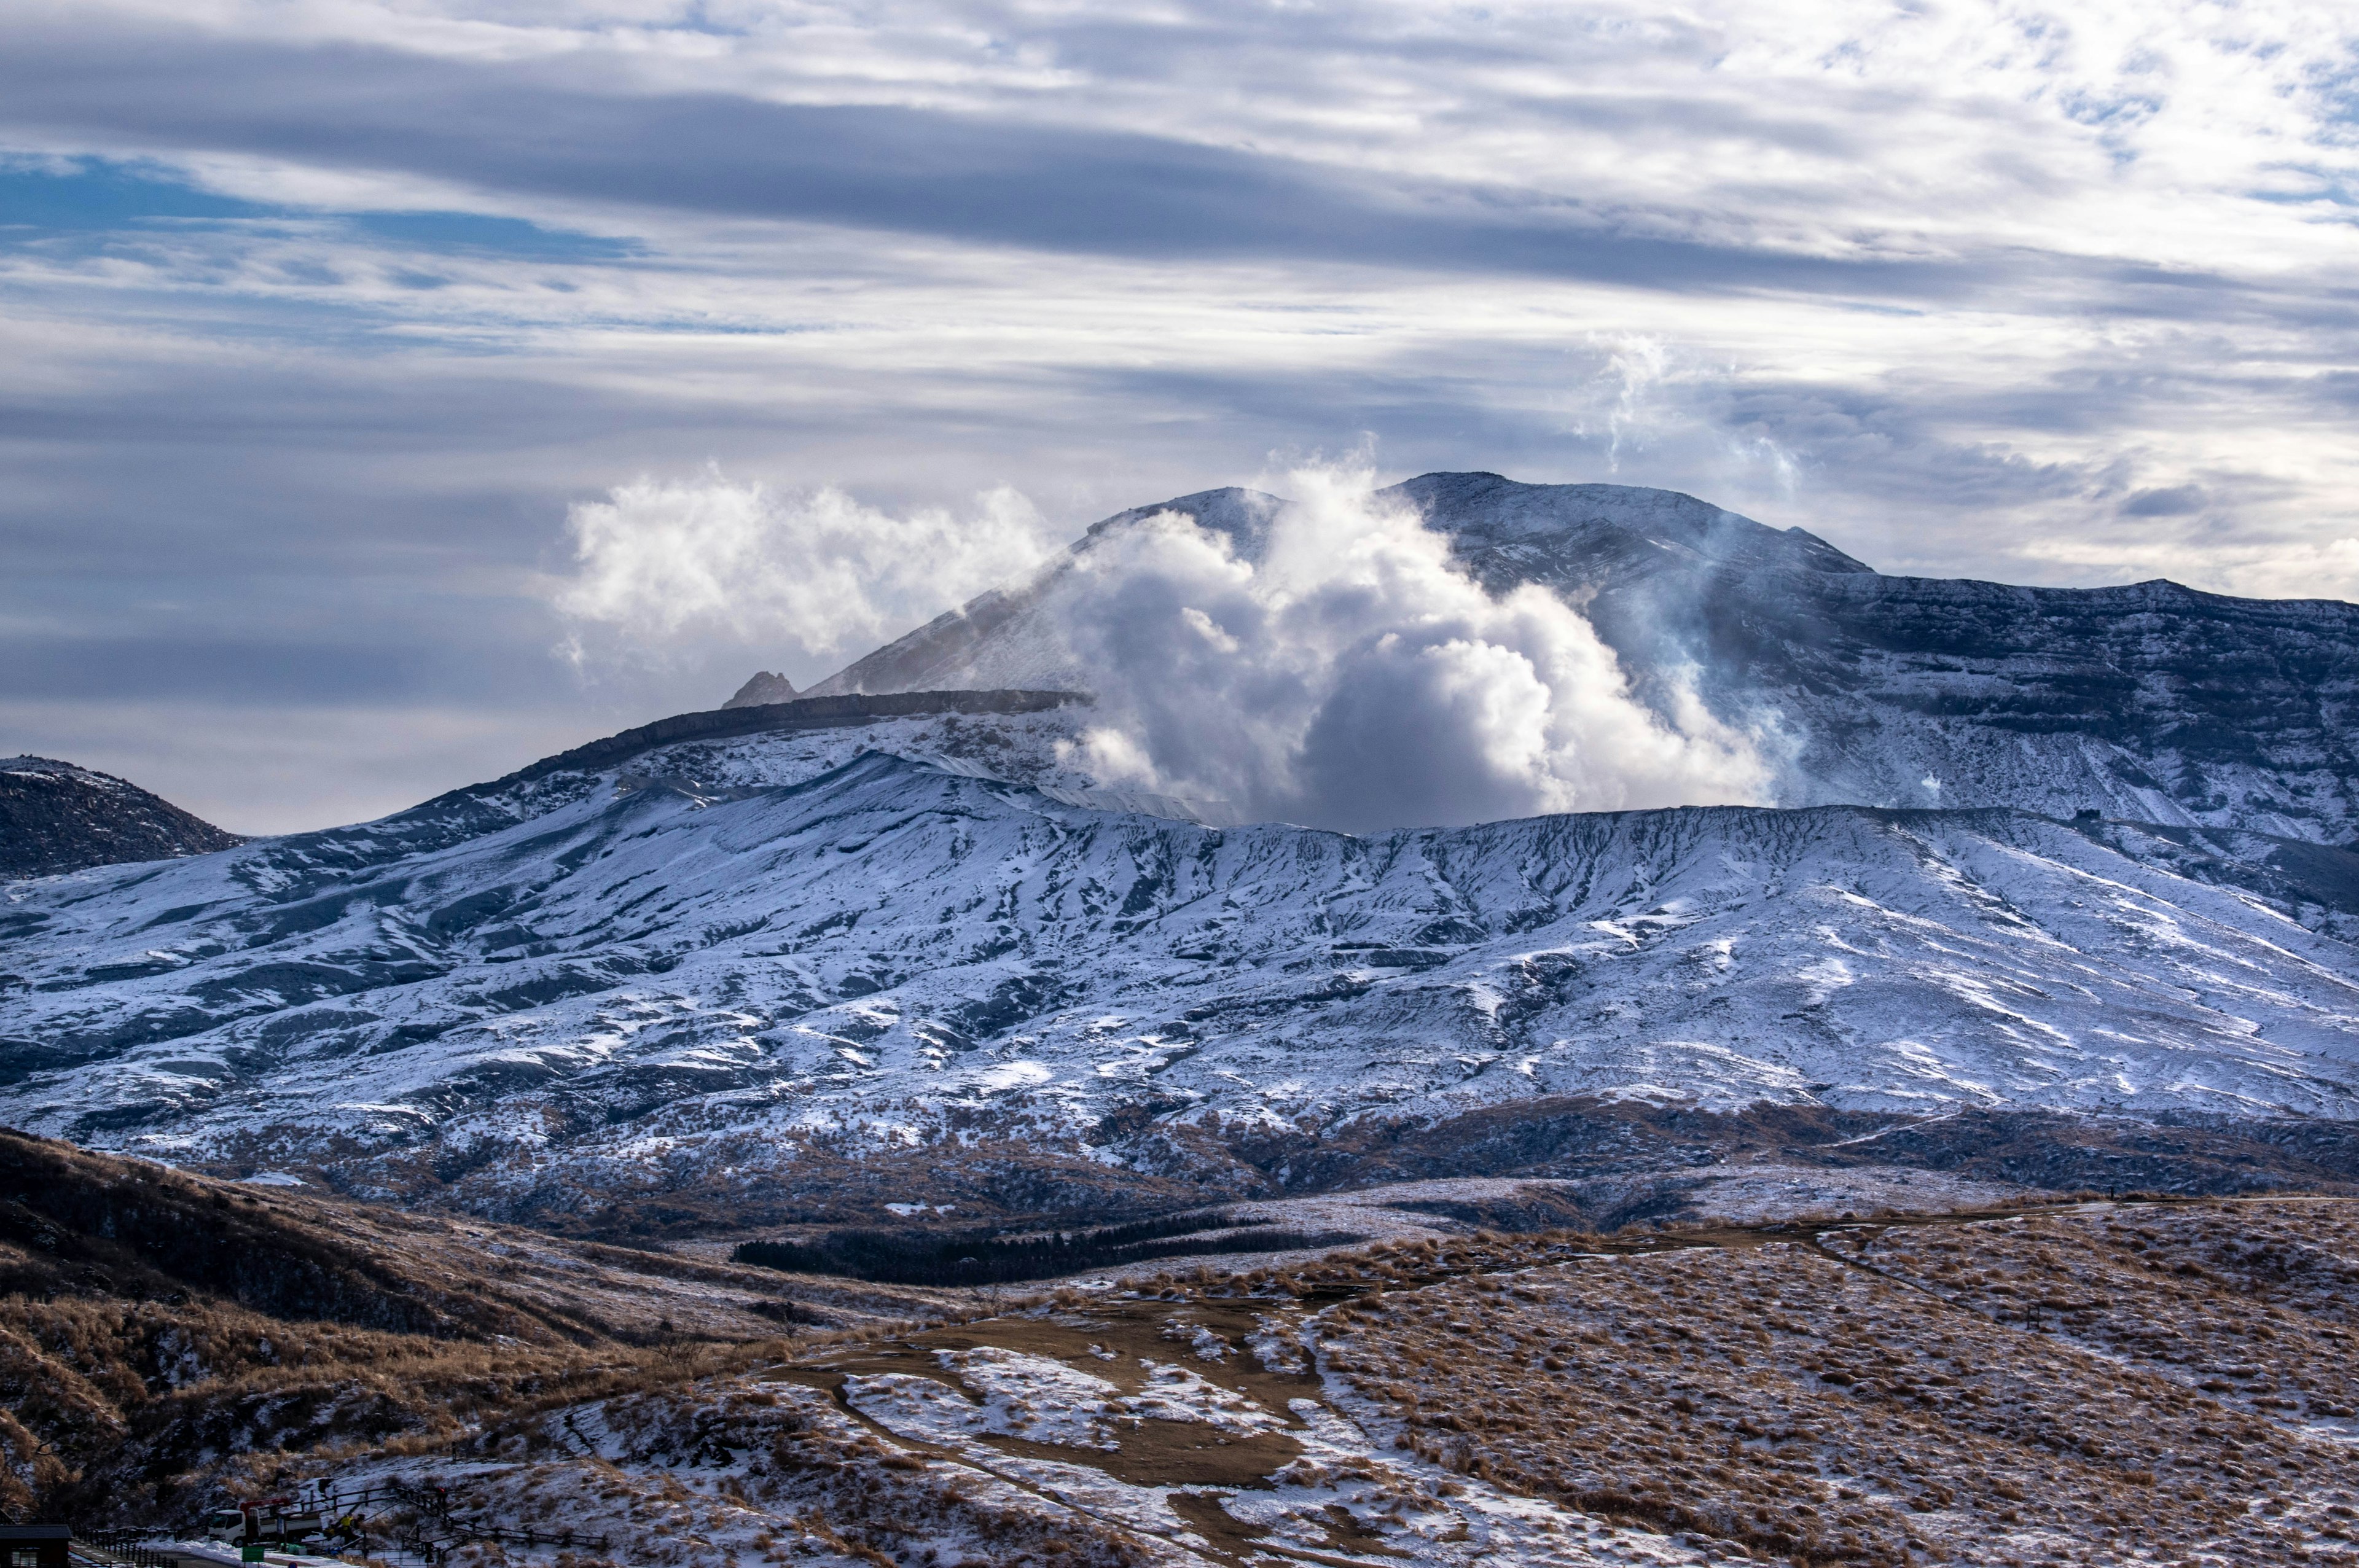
809 957
55 817
993 637
2151 702
813 955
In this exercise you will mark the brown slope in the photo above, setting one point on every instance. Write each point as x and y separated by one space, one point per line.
157 1326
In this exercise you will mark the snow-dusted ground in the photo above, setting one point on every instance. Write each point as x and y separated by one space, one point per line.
766 1468
694 966
2100 1385
1404 1502
1750 1194
1033 1397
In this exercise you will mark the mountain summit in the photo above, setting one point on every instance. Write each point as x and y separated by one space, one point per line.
2153 702
765 687
55 817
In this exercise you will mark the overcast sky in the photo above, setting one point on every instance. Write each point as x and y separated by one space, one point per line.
333 328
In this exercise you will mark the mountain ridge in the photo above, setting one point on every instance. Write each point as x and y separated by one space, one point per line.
2151 701
809 954
870 960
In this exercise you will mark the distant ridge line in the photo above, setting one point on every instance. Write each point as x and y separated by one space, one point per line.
803 713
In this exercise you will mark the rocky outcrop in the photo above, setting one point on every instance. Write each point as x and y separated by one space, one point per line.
55 817
803 713
765 686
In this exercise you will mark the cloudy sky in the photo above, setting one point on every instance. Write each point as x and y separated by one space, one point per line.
332 332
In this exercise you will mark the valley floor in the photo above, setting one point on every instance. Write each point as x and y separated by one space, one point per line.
2087 1383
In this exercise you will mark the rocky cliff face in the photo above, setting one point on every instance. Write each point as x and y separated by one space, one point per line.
56 818
2152 702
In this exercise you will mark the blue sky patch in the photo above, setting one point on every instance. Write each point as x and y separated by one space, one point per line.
86 194
82 196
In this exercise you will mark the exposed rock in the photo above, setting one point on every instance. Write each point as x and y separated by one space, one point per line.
55 817
2151 702
765 687
802 713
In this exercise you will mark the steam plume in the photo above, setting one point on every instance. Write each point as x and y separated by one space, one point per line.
1352 677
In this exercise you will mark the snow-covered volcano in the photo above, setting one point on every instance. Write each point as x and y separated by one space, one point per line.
2153 701
737 957
764 954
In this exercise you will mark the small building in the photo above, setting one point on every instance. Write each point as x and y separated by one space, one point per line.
34 1545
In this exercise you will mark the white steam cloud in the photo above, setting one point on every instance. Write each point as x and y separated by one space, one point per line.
664 559
1336 669
1352 676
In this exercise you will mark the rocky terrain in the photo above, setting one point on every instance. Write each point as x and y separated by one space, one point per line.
55 817
2043 1379
761 690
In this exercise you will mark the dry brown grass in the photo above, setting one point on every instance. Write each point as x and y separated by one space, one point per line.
2168 1383
130 1405
2041 1390
157 1326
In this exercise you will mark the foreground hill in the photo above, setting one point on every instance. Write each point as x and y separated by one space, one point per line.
786 974
2151 702
157 1326
2083 1382
55 817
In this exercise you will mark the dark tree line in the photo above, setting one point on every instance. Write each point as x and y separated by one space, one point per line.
976 1257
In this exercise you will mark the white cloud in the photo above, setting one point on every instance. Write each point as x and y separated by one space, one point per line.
662 560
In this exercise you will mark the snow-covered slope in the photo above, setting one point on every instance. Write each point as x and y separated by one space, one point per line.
2151 701
727 956
782 948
